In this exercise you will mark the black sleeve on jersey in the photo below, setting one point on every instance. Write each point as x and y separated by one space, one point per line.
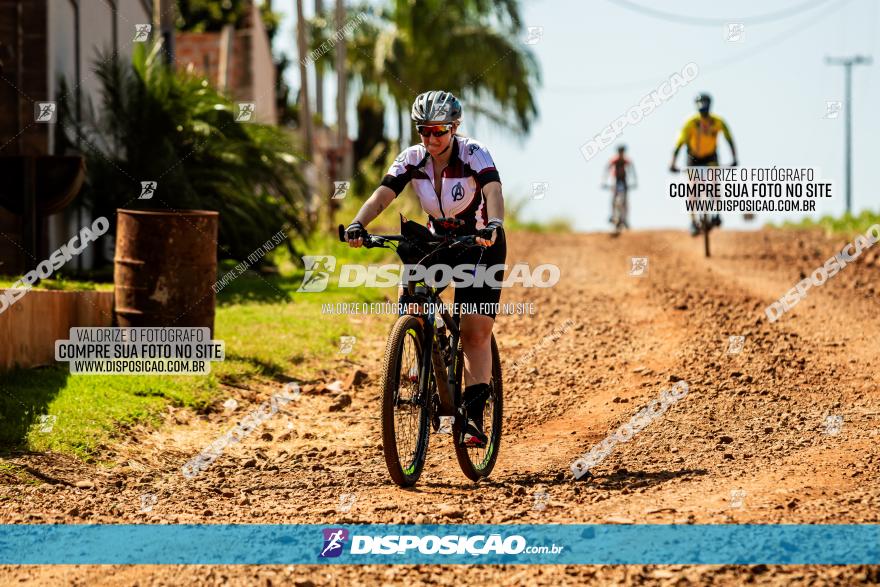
488 176
397 182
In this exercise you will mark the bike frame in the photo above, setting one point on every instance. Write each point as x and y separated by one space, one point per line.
435 369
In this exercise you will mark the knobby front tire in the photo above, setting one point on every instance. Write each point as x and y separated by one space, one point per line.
405 411
707 227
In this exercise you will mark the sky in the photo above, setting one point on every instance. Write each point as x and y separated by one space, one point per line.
598 58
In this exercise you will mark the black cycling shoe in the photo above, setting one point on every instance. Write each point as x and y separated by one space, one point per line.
475 397
716 220
473 434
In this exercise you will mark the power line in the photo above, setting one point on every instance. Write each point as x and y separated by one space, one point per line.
703 21
714 66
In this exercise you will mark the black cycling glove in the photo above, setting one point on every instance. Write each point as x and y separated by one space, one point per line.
488 233
355 231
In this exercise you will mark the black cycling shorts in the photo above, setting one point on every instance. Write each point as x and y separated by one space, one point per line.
710 160
484 298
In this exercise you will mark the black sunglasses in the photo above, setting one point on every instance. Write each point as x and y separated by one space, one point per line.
436 130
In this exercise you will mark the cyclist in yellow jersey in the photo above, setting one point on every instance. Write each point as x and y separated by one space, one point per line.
700 134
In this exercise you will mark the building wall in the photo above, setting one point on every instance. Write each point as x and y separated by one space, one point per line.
97 25
23 51
105 27
252 71
263 70
24 70
201 52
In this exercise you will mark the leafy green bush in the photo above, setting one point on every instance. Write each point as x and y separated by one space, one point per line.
172 127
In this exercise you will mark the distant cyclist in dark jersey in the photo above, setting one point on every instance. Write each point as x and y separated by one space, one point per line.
700 134
621 171
453 177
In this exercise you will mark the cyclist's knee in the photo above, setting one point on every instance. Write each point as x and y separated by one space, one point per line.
476 333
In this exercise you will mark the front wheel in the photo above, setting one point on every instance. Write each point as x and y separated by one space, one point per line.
405 402
707 227
477 463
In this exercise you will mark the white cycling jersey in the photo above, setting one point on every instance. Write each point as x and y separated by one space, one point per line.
461 194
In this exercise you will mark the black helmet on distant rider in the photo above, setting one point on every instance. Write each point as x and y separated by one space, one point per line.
704 102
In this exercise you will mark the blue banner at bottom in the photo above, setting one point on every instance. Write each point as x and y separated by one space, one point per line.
554 544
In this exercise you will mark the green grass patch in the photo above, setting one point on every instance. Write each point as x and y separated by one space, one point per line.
515 219
271 331
82 411
848 224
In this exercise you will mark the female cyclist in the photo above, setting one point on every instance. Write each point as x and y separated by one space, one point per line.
453 177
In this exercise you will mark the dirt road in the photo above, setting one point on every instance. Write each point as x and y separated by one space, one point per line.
785 431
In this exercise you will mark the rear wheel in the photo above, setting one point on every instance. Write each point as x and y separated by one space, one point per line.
405 402
477 463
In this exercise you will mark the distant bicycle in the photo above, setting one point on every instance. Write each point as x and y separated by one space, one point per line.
620 171
619 206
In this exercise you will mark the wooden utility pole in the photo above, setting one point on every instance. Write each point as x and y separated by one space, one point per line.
305 113
163 17
319 77
847 63
341 98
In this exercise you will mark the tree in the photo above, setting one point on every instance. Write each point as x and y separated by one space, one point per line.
158 124
472 48
200 16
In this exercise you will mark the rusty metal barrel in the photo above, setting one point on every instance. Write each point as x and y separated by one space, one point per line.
165 267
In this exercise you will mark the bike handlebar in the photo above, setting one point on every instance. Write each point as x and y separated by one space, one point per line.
676 169
378 240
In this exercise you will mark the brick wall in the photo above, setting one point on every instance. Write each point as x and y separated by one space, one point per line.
252 74
201 51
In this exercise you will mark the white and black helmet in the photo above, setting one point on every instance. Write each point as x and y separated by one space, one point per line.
436 106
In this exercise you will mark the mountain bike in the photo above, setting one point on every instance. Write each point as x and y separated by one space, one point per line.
705 222
619 206
422 377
